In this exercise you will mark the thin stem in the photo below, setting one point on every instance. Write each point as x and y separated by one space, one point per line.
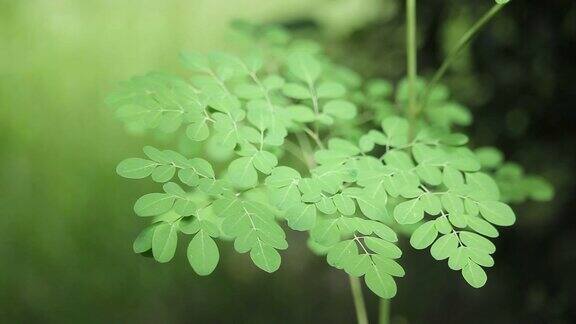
306 148
356 288
411 57
384 311
314 135
462 42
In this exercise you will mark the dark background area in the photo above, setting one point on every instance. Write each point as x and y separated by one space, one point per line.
66 221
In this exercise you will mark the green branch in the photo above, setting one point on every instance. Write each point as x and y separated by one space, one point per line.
411 58
453 55
356 288
384 311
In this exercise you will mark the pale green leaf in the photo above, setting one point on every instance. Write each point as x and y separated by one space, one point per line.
409 212
241 172
164 242
265 257
497 213
424 235
203 254
379 282
383 248
444 246
136 168
163 173
474 275
301 217
154 204
143 241
265 161
341 109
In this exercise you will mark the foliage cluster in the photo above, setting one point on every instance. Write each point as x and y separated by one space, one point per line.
307 142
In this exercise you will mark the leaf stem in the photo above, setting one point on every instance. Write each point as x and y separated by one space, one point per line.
306 149
384 317
314 135
411 59
462 42
356 288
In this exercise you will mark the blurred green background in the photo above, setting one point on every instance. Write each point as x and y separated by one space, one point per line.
66 220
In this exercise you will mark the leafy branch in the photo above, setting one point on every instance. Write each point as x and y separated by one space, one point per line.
281 147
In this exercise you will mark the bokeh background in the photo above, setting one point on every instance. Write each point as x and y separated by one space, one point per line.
66 220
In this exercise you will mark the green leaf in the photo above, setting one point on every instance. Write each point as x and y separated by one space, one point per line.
452 178
444 246
326 205
265 161
458 220
265 257
301 217
429 174
458 259
157 155
481 226
383 248
358 265
388 265
443 225
342 253
136 168
480 257
203 254
398 160
476 241
482 186
281 177
424 235
474 275
397 130
326 231
344 204
497 213
185 207
189 225
372 202
409 212
164 242
202 167
452 203
304 66
341 109
296 91
163 173
431 203
380 282
143 241
301 113
198 130
311 190
241 172
188 177
154 204
248 91
285 197
330 90
489 157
